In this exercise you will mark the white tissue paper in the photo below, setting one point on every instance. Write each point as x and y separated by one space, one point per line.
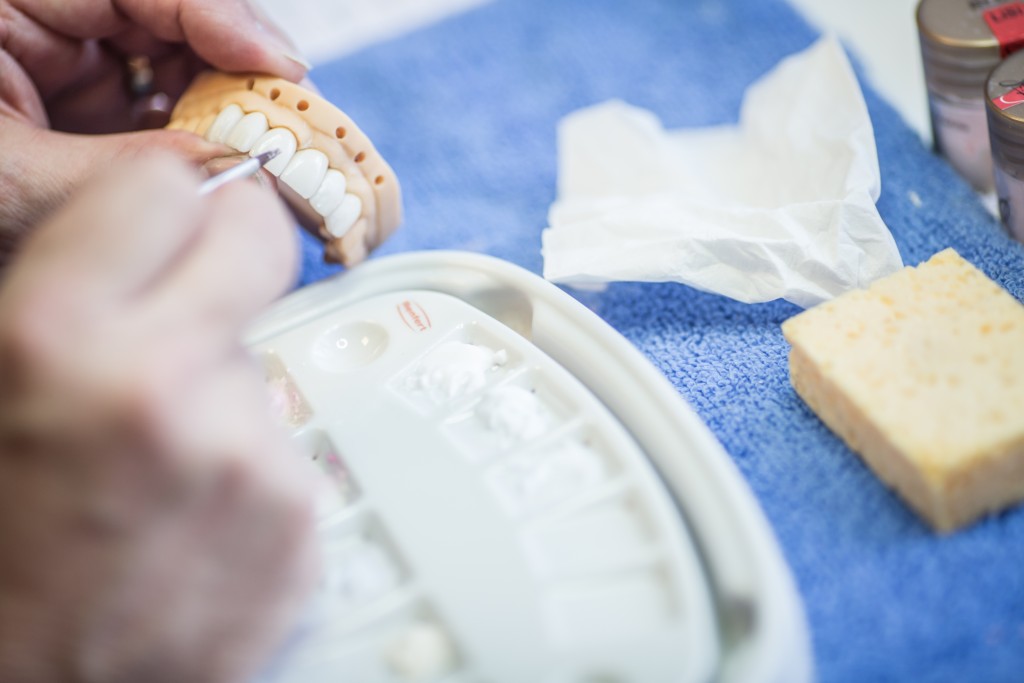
780 206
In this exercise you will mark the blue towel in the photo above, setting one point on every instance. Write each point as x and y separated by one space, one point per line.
466 111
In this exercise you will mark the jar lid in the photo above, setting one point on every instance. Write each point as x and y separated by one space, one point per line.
958 47
1004 103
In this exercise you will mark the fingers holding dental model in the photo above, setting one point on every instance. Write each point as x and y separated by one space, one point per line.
63 67
73 53
153 526
329 171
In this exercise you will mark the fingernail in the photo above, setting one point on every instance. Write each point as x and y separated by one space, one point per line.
278 35
286 49
301 61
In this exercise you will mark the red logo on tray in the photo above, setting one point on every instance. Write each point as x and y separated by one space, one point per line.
1007 24
413 315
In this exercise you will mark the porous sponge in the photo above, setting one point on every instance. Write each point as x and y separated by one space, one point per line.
922 374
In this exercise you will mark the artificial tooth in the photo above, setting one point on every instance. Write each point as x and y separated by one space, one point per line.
248 131
345 216
305 172
330 194
225 122
280 139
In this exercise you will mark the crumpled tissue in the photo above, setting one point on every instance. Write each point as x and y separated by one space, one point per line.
780 206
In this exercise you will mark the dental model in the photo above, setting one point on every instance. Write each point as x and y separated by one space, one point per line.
328 169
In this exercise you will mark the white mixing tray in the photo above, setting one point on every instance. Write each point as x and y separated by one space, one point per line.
518 496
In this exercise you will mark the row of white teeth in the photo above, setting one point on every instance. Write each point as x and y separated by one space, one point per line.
304 170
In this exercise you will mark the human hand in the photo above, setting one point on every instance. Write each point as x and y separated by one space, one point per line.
154 525
62 68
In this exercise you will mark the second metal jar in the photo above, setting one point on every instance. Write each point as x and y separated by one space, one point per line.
1005 106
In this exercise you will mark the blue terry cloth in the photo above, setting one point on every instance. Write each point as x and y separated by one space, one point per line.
466 112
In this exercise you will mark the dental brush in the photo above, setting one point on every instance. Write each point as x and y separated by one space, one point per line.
242 170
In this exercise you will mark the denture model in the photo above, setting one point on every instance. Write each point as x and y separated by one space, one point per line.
328 169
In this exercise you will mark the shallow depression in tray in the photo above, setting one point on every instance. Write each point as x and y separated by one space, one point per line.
600 538
340 490
461 365
411 644
361 566
548 474
510 415
627 605
349 346
287 403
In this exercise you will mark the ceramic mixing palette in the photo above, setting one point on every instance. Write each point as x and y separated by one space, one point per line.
493 514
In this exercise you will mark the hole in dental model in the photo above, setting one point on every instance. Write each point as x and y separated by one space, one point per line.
340 132
250 84
379 180
274 94
303 105
360 157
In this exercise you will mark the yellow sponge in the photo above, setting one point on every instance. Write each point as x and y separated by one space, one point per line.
923 375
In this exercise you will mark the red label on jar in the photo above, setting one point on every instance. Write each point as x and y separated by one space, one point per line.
1011 98
1007 24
